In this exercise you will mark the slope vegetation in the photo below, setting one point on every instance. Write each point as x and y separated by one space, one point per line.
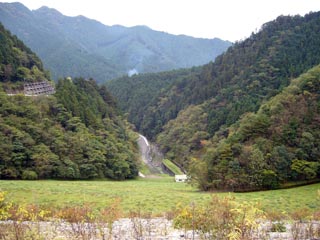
278 144
238 81
18 63
76 134
188 112
137 93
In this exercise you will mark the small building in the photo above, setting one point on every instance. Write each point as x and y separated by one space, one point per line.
181 178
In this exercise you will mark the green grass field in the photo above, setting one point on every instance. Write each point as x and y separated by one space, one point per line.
156 195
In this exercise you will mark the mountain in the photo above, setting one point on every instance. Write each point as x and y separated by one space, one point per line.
277 145
238 81
17 62
193 109
137 93
78 46
75 134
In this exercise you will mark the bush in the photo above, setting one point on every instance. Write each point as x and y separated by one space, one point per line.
278 227
8 173
222 218
29 175
270 179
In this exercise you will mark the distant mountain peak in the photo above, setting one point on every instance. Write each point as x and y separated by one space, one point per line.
142 27
14 5
79 46
45 8
13 8
48 11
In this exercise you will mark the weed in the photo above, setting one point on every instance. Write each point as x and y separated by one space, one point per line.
222 218
278 227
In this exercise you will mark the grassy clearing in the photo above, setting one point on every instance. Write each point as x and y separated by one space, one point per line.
155 195
285 200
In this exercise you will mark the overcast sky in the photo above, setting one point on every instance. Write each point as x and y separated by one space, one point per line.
226 19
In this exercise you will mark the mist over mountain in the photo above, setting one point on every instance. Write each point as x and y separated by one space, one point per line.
78 46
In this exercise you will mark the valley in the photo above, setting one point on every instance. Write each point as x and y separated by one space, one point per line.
241 120
219 122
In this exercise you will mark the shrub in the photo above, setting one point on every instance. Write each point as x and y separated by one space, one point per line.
270 179
222 218
278 227
29 175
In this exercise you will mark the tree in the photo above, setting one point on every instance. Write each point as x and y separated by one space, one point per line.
198 171
304 170
45 161
270 179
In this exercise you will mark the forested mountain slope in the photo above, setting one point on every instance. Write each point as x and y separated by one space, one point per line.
78 46
137 92
238 81
190 110
76 134
278 144
18 63
287 47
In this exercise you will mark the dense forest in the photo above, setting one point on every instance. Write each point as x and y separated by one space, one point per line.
239 80
137 92
277 144
18 64
75 134
188 111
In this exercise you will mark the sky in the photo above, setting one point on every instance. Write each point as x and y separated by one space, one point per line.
231 20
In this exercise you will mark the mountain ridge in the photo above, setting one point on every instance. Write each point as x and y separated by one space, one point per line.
193 108
107 51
